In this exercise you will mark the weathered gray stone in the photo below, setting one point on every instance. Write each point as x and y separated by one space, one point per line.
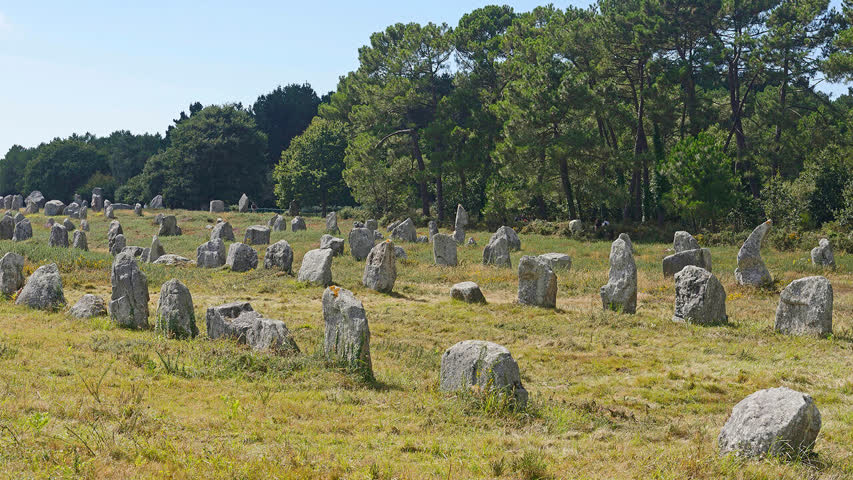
497 252
241 257
316 267
89 306
36 198
155 251
332 224
217 206
156 203
7 227
83 213
699 297
79 240
432 229
485 365
460 224
627 239
576 227
172 259
84 225
347 336
277 224
218 318
158 219
169 227
7 202
750 267
620 292
129 300
243 204
58 236
444 250
257 235
97 202
211 254
279 256
175 312
333 243
72 210
43 290
468 292
109 211
700 257
32 208
822 255
17 202
380 269
115 229
223 231
293 208
775 421
247 327
69 225
117 244
512 239
377 236
537 282
558 261
400 253
137 209
805 307
683 241
11 273
405 231
53 208
23 231
371 224
136 251
391 226
360 242
297 224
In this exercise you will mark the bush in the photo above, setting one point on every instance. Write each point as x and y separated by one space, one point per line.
352 212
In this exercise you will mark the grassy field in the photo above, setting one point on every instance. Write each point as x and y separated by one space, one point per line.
612 396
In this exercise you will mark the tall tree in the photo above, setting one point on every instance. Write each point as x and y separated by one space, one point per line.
283 114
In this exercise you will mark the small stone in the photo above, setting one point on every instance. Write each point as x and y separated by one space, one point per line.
537 283
241 257
700 257
137 252
332 224
485 365
43 290
432 229
69 225
822 255
333 243
23 231
683 242
137 209
699 297
316 267
297 224
171 259
558 261
11 273
471 242
400 253
211 254
84 225
243 204
89 306
360 242
257 235
279 255
380 269
175 311
805 307
468 292
347 335
444 250
169 227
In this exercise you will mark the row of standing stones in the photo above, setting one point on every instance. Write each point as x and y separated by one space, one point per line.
771 421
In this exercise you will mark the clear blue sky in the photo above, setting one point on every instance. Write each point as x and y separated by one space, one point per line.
99 66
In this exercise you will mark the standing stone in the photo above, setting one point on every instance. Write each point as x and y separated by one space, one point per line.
620 293
23 231
279 255
238 321
380 270
433 229
627 239
72 210
332 224
497 252
333 243
84 225
241 257
822 254
7 202
155 251
297 224
43 290
468 292
700 257
69 225
35 197
243 204
699 297
137 209
211 254
400 253
18 218
257 235
223 231
293 208
156 203
169 227
405 231
558 261
460 224
79 241
805 307
129 301
115 229
217 206
511 237
88 306
158 219
750 267
683 242
11 273
17 202
347 336
175 311
277 224
444 250
32 208
537 283
109 211
316 267
360 242
7 227
486 365
117 244
107 204
576 227
775 421
58 236
97 202
83 213
53 208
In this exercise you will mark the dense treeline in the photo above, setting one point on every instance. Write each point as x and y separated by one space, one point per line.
700 112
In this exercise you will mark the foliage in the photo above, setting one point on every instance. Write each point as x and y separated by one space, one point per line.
283 114
61 167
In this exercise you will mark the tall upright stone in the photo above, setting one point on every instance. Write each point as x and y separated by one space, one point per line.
699 297
277 224
155 251
347 335
444 250
241 257
23 231
360 242
279 255
460 224
380 269
169 227
117 244
332 224
175 312
432 229
79 240
805 307
405 231
243 204
497 252
537 283
58 236
7 227
137 209
156 203
11 273
750 266
129 300
17 202
217 206
43 290
298 224
620 292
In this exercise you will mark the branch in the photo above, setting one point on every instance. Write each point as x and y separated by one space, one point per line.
398 132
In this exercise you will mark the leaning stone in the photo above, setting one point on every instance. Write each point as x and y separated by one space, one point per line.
558 261
169 227
360 242
444 250
217 206
805 307
468 292
822 255
279 255
58 236
537 283
23 231
155 251
7 227
775 421
53 208
699 297
391 226
333 243
380 269
89 306
683 241
43 290
316 267
497 252
297 224
175 311
700 257
223 231
210 254
347 336
11 273
155 204
512 239
171 259
129 301
241 257
117 244
243 204
485 365
332 224
79 241
405 231
750 267
620 292
257 235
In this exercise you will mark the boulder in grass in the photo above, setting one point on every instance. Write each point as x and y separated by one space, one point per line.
336 245
32 208
129 300
211 254
558 261
537 283
347 335
89 306
751 270
822 255
169 227
405 231
468 292
250 328
43 290
11 273
58 236
116 244
134 250
243 204
316 267
218 318
699 297
257 235
775 421
380 269
486 366
279 256
217 206
241 257
512 239
53 208
805 307
155 251
497 252
23 231
297 224
155 204
172 259
175 311
620 292
35 197
444 250
277 224
79 241
700 257
360 242
7 227
223 231
682 241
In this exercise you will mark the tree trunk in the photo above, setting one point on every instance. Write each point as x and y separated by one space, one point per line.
783 98
439 197
416 150
567 187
